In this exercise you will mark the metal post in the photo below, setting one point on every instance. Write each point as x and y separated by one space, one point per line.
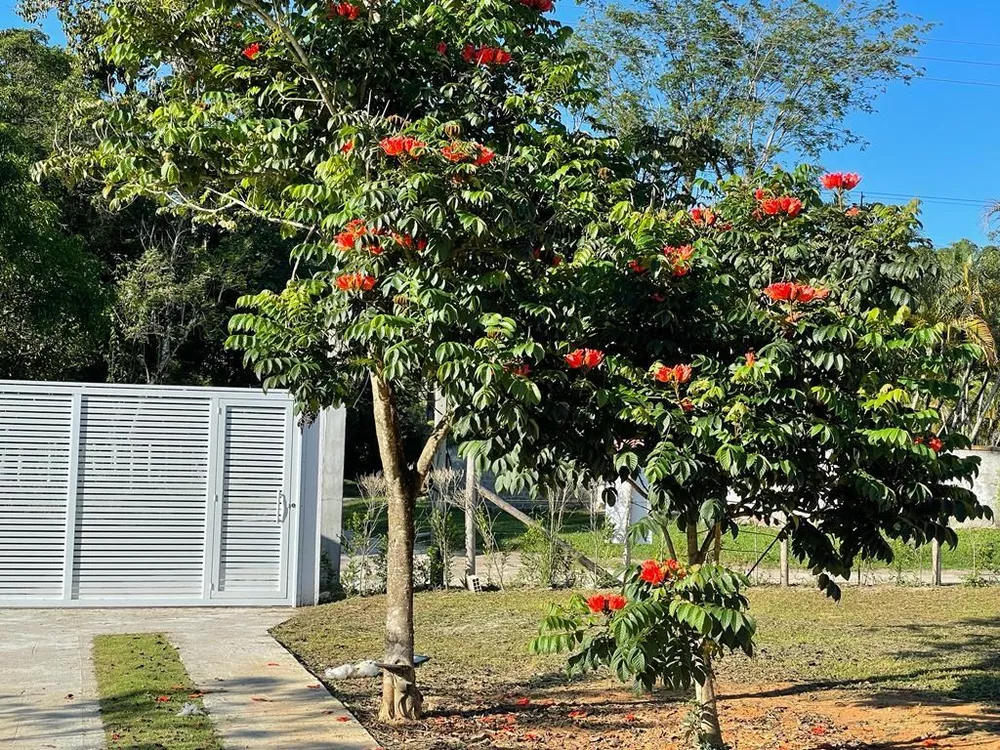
332 439
471 498
783 561
935 563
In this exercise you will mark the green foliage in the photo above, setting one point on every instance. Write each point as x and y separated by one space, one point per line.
667 632
462 256
542 562
51 300
453 233
38 86
172 304
756 78
819 429
444 537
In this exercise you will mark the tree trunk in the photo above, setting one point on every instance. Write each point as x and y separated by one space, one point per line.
983 409
401 700
709 729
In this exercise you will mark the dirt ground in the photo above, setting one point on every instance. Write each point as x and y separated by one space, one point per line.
754 717
892 668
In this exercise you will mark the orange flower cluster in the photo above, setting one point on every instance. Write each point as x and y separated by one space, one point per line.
933 443
354 231
679 257
606 603
784 204
521 369
840 180
251 51
788 291
675 374
458 152
343 10
584 358
486 55
704 216
354 282
407 241
543 6
402 145
655 572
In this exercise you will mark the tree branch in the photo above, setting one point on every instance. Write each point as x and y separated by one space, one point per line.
426 460
300 53
527 520
665 527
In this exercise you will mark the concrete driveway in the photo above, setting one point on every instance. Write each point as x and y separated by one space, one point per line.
48 696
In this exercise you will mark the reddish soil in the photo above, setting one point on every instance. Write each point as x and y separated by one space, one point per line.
595 715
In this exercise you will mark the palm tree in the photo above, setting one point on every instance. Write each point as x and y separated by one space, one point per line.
965 302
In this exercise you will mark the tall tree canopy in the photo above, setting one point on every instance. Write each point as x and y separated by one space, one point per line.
759 77
51 301
133 295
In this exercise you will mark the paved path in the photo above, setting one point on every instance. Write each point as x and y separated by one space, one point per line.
45 659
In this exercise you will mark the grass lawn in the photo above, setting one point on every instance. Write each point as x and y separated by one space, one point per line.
911 647
142 685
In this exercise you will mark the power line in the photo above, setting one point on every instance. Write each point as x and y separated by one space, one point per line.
953 60
953 80
947 200
963 41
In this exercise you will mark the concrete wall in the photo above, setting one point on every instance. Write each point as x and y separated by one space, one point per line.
987 484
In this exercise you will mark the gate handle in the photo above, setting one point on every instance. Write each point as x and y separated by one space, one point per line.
282 508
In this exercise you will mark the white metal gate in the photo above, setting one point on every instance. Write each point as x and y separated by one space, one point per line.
114 495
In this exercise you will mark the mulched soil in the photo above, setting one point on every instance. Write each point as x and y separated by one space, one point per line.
599 714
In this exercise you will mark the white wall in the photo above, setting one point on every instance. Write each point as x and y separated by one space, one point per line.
987 484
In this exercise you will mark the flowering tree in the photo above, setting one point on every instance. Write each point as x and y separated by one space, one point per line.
446 217
453 232
792 395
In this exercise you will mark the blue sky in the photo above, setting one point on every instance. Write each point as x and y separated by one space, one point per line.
934 139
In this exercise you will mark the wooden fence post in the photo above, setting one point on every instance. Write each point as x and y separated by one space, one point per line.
783 561
935 563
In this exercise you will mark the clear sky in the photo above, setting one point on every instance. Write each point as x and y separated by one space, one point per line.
935 138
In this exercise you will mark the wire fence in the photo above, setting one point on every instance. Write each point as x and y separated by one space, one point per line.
767 560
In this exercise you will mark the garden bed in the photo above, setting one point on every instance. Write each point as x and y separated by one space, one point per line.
896 667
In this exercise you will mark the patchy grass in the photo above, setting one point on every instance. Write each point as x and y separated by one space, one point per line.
913 647
509 530
142 685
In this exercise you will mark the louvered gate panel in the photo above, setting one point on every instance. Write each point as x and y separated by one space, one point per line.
35 446
255 500
142 497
